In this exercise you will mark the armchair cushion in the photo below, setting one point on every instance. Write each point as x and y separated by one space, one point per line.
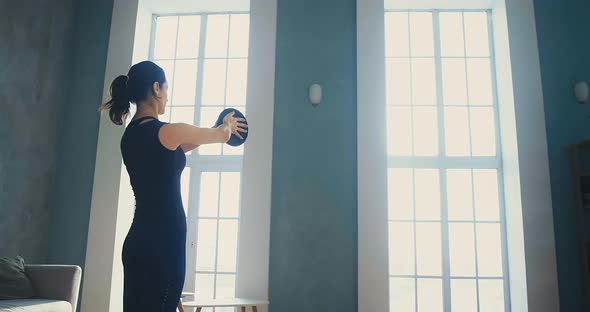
14 283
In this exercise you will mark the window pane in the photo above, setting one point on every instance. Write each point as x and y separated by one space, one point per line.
489 253
453 81
209 194
209 116
459 194
228 246
397 35
239 35
425 131
491 296
165 40
213 82
189 30
430 295
451 34
207 234
461 249
401 194
483 131
217 36
480 82
421 34
398 82
168 68
399 126
164 117
230 195
226 286
204 286
233 150
185 187
476 34
183 114
402 294
428 249
456 131
427 194
401 248
185 83
237 77
423 84
485 186
207 119
132 111
463 295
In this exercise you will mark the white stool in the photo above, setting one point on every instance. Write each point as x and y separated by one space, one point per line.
221 303
184 294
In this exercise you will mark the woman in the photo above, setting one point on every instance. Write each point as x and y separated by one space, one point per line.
153 152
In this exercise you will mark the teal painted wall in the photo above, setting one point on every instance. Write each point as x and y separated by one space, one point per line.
564 48
79 134
313 247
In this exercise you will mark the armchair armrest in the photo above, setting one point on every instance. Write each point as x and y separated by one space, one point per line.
59 282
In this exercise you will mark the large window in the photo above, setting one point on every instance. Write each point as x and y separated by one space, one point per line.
205 57
447 245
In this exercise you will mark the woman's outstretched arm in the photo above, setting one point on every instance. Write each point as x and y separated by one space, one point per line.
189 137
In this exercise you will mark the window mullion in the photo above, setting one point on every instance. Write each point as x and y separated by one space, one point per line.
500 172
467 84
475 240
442 172
226 69
471 171
226 61
174 67
444 162
200 70
153 37
413 170
411 82
195 190
217 236
193 226
414 233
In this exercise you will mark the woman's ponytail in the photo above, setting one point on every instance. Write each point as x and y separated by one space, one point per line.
135 88
118 106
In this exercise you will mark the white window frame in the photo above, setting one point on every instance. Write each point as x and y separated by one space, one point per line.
201 163
110 212
441 162
527 194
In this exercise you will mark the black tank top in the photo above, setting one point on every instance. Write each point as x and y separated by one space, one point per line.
154 172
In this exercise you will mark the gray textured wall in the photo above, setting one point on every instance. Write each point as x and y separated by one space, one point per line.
70 212
35 39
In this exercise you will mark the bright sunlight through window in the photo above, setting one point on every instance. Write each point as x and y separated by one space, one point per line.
205 58
447 245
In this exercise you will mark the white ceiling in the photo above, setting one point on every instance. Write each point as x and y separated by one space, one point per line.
194 6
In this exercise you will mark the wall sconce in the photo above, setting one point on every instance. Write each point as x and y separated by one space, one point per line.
581 90
315 94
